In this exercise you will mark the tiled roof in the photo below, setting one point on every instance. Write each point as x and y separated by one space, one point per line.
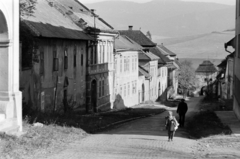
143 56
166 50
147 56
206 67
49 22
84 14
152 56
162 59
143 72
138 36
125 43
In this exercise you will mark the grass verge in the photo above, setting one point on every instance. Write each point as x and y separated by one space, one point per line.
206 123
58 130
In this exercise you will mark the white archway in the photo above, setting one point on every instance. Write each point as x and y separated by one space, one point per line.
10 96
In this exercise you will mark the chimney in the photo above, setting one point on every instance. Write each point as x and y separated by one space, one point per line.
130 27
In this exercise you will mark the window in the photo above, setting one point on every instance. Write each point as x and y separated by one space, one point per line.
133 63
41 61
95 54
124 66
238 41
136 64
120 64
75 57
120 89
103 53
100 88
91 54
115 66
133 87
55 59
128 88
65 59
81 59
124 90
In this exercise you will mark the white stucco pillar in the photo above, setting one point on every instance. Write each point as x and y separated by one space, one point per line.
10 96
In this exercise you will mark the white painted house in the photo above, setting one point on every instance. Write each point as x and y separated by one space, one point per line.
126 72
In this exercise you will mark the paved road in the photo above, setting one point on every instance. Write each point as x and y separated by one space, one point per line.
141 139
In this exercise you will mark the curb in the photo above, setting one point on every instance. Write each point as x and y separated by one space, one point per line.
122 122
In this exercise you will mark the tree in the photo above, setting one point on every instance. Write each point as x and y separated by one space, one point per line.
187 79
27 7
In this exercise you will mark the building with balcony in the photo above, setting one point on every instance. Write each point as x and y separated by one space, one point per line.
100 55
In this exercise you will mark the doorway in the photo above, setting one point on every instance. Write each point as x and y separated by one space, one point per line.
143 92
94 95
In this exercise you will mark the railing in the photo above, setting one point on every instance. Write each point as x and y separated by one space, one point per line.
98 68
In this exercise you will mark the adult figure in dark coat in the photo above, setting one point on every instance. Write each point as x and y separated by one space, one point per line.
182 110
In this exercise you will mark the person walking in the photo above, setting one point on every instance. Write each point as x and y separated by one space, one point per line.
171 125
182 110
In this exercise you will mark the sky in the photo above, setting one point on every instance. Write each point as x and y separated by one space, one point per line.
228 2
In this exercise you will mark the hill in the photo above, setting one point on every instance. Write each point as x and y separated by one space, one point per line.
204 46
169 18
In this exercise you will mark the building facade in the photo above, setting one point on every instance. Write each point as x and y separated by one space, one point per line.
57 77
236 74
126 72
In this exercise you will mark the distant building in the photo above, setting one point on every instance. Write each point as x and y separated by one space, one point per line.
151 48
206 73
173 67
148 63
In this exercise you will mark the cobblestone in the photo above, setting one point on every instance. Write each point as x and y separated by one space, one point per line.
141 139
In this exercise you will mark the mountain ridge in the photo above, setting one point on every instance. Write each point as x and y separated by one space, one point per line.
165 18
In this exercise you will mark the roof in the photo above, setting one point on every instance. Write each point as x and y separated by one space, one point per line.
143 72
138 36
83 14
171 66
162 59
223 64
49 22
232 43
147 56
165 50
124 43
231 55
206 67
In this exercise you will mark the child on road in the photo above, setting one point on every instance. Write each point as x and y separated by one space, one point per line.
171 125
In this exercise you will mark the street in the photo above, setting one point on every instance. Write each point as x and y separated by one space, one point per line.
140 139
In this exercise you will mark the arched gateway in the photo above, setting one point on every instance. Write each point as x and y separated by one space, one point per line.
10 96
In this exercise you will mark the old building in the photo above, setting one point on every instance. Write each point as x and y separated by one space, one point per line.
236 68
151 49
57 78
126 72
173 67
148 62
206 73
225 78
144 79
100 60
